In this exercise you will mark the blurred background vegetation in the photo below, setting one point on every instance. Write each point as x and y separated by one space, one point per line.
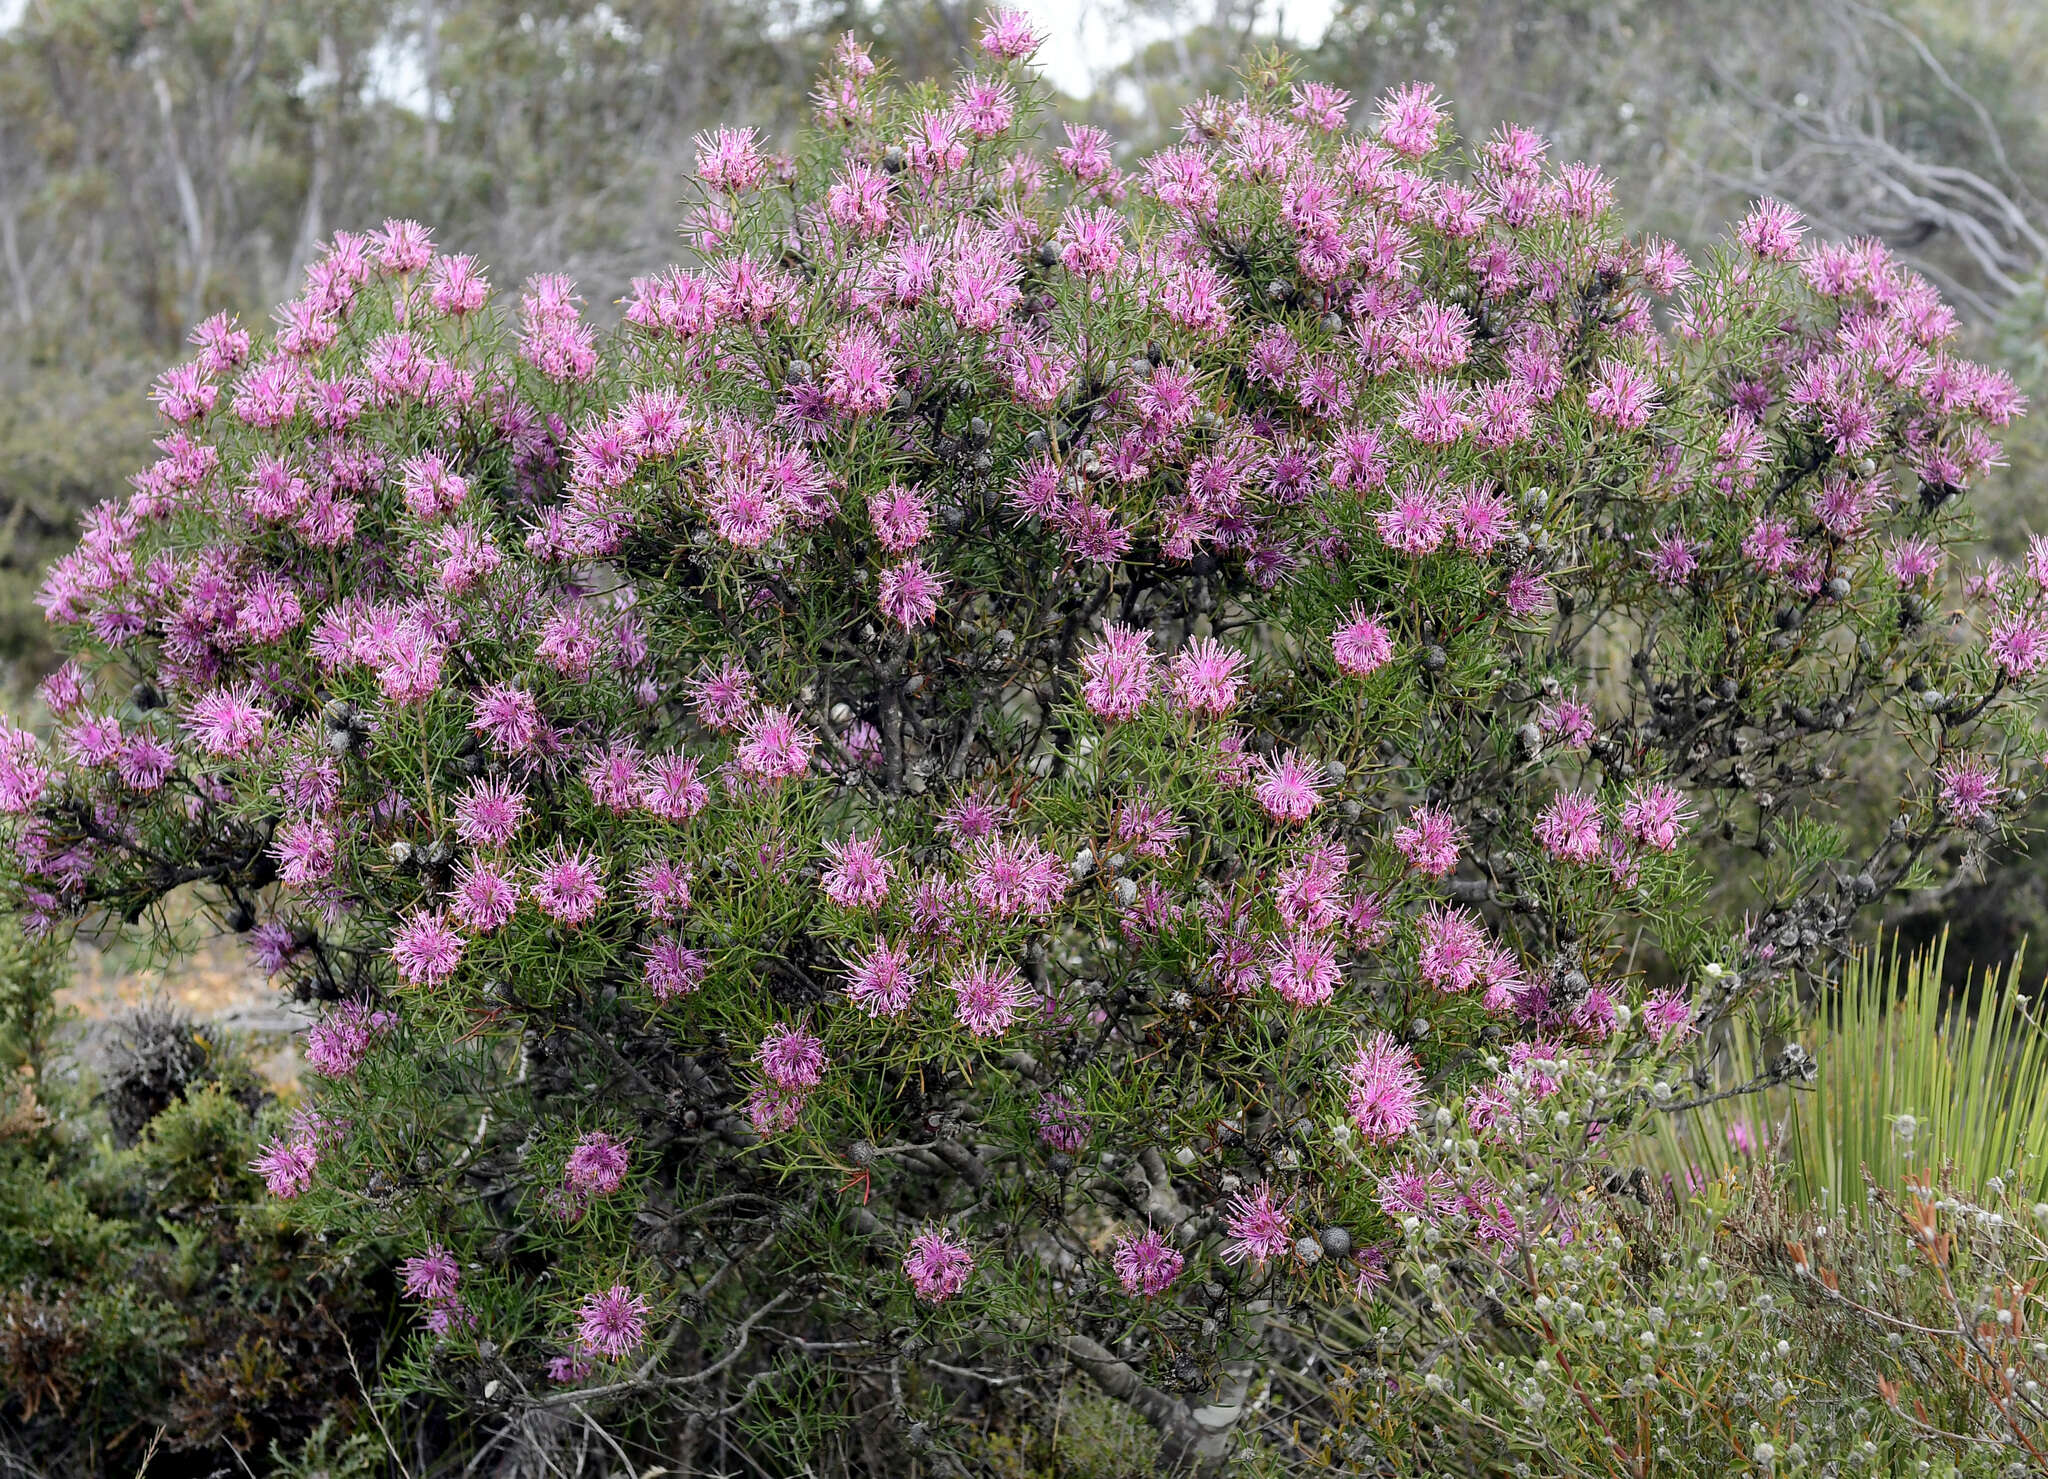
164 159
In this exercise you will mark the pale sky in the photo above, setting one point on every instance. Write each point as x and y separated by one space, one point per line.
1085 38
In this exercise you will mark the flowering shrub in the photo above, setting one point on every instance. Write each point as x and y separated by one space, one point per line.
1033 754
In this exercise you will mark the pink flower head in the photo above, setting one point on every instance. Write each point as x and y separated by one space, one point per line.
1146 1264
1008 36
1772 230
1061 1123
902 518
881 982
1668 1015
730 159
612 1325
938 1265
484 896
425 949
860 376
1655 815
1623 394
1409 1191
672 970
227 721
1674 560
1417 521
988 996
567 885
2018 644
1259 1225
1205 678
596 1166
1454 949
859 875
1015 876
508 718
1385 1102
792 1058
1411 119
661 886
489 813
1121 670
1289 788
432 1275
337 1045
1970 787
908 594
774 747
1430 840
725 696
670 789
1303 970
1570 827
1362 645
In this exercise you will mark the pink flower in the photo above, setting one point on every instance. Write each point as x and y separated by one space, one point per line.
661 886
1303 970
1655 815
337 1045
227 721
1386 1089
1772 230
2018 645
1623 394
730 159
859 875
908 594
1205 678
1667 1014
1674 560
1288 788
670 789
425 949
1362 645
1410 119
304 851
988 996
567 885
881 982
938 1265
484 896
613 1324
1430 840
859 374
1454 949
1409 1191
1146 1264
509 718
1970 787
432 1275
1061 1124
596 1166
489 813
902 518
774 747
1008 36
1570 827
792 1059
673 970
1121 671
1259 1226
1015 876
725 696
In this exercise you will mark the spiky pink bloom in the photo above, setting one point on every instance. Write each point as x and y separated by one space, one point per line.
1430 840
1061 1123
1970 787
725 696
1206 678
1667 1014
432 1275
661 886
1362 645
337 1045
509 718
1303 970
1569 827
902 518
2018 644
938 1265
1911 561
881 982
425 950
304 850
484 896
489 813
1772 230
1260 1226
1655 815
1289 788
1012 876
792 1058
1410 119
596 1166
1410 1191
988 996
1623 394
1008 35
1417 521
1385 1102
227 721
669 787
612 1325
1146 1264
1770 545
1674 560
1121 672
774 747
859 875
1453 950
673 970
908 594
567 885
